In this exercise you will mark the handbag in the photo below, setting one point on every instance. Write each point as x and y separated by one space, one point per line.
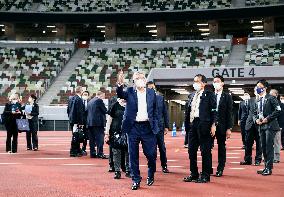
120 141
22 125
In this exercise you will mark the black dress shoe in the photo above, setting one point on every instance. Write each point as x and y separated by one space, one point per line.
165 170
135 186
219 173
260 171
190 178
211 171
111 169
257 163
150 181
117 175
102 156
127 174
202 179
93 156
266 172
245 163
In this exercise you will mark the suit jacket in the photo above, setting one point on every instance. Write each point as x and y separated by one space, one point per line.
10 118
243 112
130 95
281 116
224 112
75 110
96 113
163 117
207 110
34 121
271 111
250 122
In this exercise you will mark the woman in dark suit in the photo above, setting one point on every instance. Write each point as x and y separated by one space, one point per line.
12 111
32 112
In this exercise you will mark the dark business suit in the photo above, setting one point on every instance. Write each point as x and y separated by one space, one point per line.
199 132
281 123
11 126
85 129
252 135
271 110
163 122
224 122
144 132
31 136
96 122
75 111
243 115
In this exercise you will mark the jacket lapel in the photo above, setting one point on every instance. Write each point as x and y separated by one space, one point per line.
221 99
265 100
148 98
134 92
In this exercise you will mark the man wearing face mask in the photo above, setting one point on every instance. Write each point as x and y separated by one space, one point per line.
85 97
252 135
163 121
265 116
96 122
277 138
140 124
224 121
281 120
243 115
200 120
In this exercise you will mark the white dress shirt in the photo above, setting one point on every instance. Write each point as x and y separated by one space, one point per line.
142 113
195 105
218 95
261 110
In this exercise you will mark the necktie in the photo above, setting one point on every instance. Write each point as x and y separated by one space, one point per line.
261 105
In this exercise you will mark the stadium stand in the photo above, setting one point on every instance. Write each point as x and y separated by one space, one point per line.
29 70
260 2
99 69
15 5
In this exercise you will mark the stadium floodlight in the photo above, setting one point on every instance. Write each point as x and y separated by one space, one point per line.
256 21
151 26
205 34
258 27
204 29
154 35
101 26
202 24
153 31
50 26
54 31
258 31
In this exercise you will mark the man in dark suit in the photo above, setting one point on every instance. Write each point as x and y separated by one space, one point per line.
75 111
140 124
96 122
265 116
281 120
243 115
85 97
252 135
200 119
224 121
163 121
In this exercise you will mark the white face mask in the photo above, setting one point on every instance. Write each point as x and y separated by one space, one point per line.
14 101
217 86
282 101
197 86
85 98
140 83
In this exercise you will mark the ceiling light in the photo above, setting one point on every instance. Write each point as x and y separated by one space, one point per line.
202 24
177 89
54 31
205 34
259 21
151 26
259 31
153 31
43 32
50 26
258 27
203 29
154 35
237 101
3 29
1 25
103 31
101 26
237 84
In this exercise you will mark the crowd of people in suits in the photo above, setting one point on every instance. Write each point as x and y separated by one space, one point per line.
139 114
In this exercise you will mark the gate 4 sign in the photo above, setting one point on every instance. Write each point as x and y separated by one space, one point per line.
241 72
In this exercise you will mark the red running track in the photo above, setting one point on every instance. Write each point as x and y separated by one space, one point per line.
51 172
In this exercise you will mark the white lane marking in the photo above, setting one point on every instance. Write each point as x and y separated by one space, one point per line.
233 157
242 150
235 162
233 153
236 168
10 163
176 167
77 164
231 147
49 158
172 160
